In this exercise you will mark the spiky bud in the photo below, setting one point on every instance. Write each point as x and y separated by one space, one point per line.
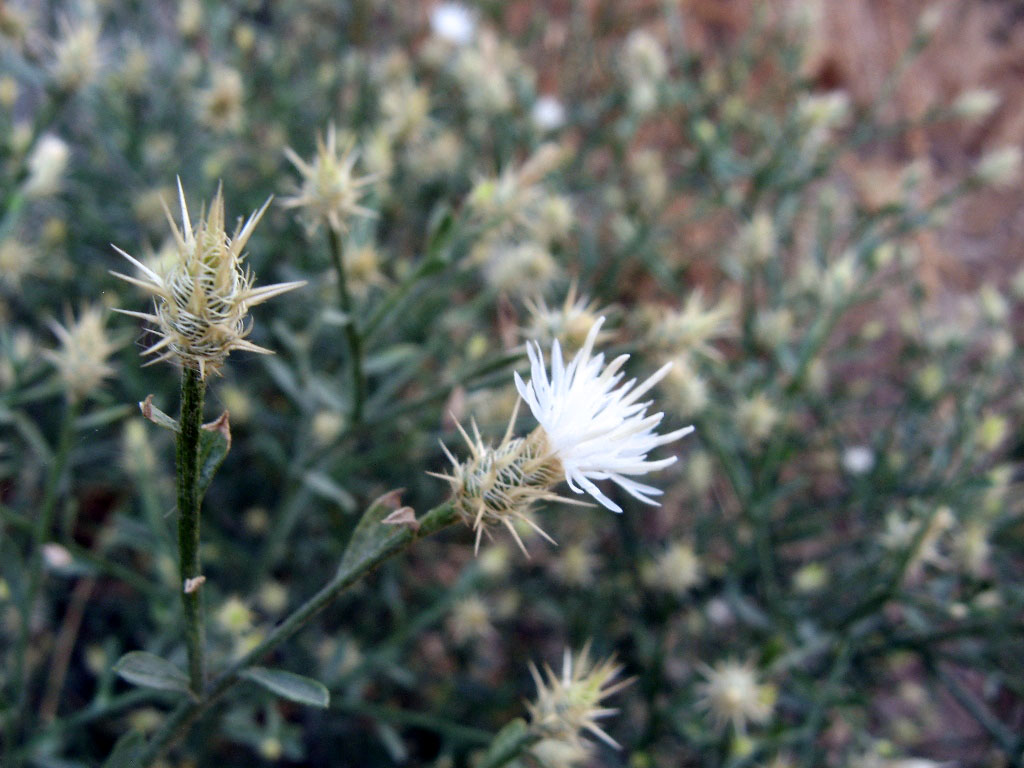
499 485
202 300
330 190
570 704
82 359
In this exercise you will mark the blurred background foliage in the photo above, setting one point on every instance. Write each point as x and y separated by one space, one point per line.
834 577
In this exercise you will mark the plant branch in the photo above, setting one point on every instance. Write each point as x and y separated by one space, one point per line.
179 721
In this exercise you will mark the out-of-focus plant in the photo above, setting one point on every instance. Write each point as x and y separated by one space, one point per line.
831 575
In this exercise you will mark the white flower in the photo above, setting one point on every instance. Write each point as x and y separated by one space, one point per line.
548 114
733 694
453 22
595 428
46 166
858 460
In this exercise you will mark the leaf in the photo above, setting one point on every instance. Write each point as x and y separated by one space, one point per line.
326 488
508 744
125 751
150 671
157 416
441 229
371 531
214 444
103 417
288 685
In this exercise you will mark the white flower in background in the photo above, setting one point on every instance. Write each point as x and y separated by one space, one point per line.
596 429
732 694
46 166
858 459
977 103
548 114
999 168
453 22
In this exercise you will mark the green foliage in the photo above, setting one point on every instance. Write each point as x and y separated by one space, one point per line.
833 578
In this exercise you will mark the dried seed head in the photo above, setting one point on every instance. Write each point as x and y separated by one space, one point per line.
330 190
82 358
203 299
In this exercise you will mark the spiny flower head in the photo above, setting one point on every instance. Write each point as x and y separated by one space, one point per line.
76 52
732 694
85 347
590 429
594 427
569 323
202 301
695 326
501 485
569 704
330 190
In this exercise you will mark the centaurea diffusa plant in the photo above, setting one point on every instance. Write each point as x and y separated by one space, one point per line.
331 194
591 429
201 314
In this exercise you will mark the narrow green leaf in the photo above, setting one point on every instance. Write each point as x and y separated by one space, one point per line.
150 671
326 488
441 229
288 685
509 743
214 444
103 417
125 752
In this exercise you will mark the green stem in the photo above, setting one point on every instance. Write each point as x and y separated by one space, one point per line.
188 522
40 532
179 721
355 342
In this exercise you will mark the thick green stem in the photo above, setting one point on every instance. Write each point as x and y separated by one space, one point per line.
355 342
40 532
179 721
188 522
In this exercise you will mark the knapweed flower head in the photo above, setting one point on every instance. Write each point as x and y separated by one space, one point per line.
695 326
501 485
732 694
76 57
202 301
569 704
591 429
596 428
221 105
82 359
569 323
330 190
